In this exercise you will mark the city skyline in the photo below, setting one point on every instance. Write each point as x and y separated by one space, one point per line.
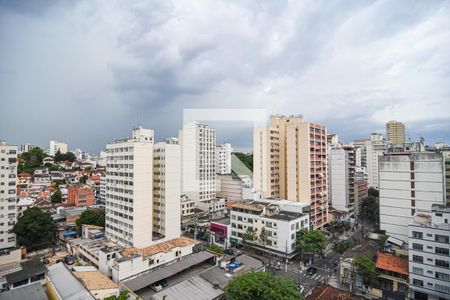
85 72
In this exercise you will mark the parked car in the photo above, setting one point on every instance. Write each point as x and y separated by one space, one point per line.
69 260
228 251
163 283
311 271
156 287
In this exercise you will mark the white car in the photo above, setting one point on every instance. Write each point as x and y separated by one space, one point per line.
156 287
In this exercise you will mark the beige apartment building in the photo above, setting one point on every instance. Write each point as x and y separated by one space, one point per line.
395 132
290 162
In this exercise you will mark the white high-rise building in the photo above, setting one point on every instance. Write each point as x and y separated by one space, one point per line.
129 189
167 190
8 196
429 254
409 183
57 146
375 148
25 148
198 147
342 178
223 159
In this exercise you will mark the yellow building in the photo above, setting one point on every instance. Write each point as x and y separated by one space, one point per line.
395 132
290 162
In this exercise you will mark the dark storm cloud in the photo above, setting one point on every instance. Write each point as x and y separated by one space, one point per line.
85 72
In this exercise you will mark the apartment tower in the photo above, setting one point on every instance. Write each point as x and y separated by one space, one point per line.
223 159
290 162
166 191
8 190
342 178
198 169
129 189
395 132
409 183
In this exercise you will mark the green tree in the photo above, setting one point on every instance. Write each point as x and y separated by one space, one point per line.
91 217
262 286
246 158
122 296
263 236
374 192
342 246
31 160
83 179
311 241
66 156
215 248
365 267
249 235
56 196
35 229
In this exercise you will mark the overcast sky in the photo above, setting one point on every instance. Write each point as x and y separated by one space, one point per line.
85 72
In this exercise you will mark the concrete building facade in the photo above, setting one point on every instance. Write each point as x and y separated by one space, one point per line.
429 257
223 158
198 148
290 162
129 189
374 149
409 183
342 178
8 194
167 190
57 146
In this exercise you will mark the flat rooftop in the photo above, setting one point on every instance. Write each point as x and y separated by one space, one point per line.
286 216
161 247
94 280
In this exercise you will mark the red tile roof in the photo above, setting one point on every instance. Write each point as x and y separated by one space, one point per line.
392 263
325 292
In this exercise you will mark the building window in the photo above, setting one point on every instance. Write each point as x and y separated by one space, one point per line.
418 271
439 250
441 238
413 194
417 282
442 288
412 176
418 258
417 246
441 263
442 276
413 202
413 184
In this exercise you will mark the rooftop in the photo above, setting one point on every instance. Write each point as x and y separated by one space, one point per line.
247 206
392 263
28 269
94 280
286 216
325 292
33 291
366 247
143 280
161 247
67 286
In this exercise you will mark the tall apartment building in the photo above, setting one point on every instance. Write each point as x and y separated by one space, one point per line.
198 169
290 162
342 178
446 155
409 183
395 132
374 149
223 159
429 254
57 146
361 152
167 190
8 196
129 189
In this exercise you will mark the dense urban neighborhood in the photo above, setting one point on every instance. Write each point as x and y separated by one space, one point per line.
302 216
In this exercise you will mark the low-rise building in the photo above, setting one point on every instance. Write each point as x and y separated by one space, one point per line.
429 254
271 224
33 291
30 271
392 276
220 232
61 284
81 195
187 206
98 284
